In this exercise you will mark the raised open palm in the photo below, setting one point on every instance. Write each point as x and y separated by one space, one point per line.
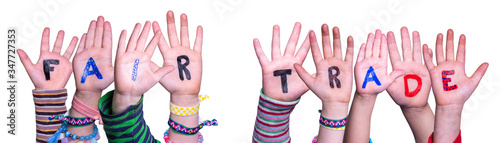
413 66
279 79
372 65
451 86
333 79
186 78
57 66
94 56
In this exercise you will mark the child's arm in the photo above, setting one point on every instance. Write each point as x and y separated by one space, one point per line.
184 83
411 91
121 110
93 71
451 86
332 82
370 73
282 87
49 75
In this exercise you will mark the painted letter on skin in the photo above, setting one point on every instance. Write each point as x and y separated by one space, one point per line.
134 71
373 77
88 72
47 68
334 77
182 67
446 80
283 73
414 92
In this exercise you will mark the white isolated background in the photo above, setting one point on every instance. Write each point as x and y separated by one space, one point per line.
231 72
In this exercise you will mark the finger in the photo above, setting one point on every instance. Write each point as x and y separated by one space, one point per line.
303 50
439 49
361 53
90 35
369 46
162 44
141 42
71 48
350 50
294 39
99 32
25 60
406 44
132 41
154 42
304 75
260 53
184 31
44 46
59 42
337 46
393 48
198 42
377 44
394 75
172 33
383 49
461 49
417 54
450 49
275 49
107 42
479 73
428 57
81 45
121 44
316 53
327 49
161 72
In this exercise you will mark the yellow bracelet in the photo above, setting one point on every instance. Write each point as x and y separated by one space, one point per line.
187 111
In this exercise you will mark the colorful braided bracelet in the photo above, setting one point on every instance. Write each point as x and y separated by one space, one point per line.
332 124
179 128
73 121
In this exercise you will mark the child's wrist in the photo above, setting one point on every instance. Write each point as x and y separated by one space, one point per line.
122 100
89 98
449 110
335 110
184 100
415 109
48 87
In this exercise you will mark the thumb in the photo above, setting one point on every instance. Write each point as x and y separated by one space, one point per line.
304 75
476 77
395 74
161 72
28 65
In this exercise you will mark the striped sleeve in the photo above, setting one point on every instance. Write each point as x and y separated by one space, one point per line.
126 127
272 120
48 103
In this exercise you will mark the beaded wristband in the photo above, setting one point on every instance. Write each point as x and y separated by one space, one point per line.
332 124
167 138
179 128
63 133
187 111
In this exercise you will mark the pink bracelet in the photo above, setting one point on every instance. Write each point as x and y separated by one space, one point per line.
85 110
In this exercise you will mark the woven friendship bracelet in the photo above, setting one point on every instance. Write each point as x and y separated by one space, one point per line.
179 128
332 124
187 111
73 121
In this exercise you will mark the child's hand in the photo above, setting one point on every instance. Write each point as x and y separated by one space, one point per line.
186 79
450 84
136 73
52 70
96 74
370 71
279 78
333 81
414 69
